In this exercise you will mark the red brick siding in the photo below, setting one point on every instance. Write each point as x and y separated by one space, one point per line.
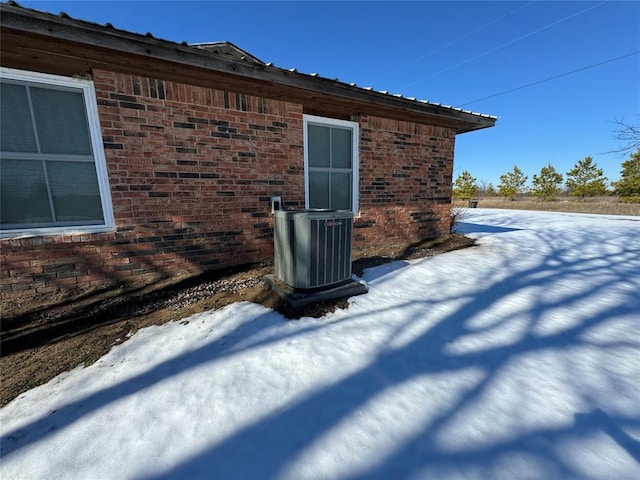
405 181
191 173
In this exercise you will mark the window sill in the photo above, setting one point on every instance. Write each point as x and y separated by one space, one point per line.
54 232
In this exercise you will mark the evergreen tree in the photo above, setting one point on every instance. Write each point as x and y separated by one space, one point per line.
491 191
585 179
465 187
512 183
547 185
628 187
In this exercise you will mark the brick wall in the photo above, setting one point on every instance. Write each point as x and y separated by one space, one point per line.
191 173
405 182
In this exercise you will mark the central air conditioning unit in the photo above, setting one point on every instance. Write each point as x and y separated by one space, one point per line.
312 248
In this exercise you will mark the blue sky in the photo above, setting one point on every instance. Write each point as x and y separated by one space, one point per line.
447 52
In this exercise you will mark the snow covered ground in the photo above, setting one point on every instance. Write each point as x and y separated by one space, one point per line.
516 359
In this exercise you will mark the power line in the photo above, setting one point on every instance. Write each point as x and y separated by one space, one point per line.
453 42
553 78
511 42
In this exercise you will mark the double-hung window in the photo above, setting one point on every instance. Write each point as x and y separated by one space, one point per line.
52 166
331 163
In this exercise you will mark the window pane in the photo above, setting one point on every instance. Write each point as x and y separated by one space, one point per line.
23 193
61 121
318 190
319 146
16 133
341 191
75 192
340 148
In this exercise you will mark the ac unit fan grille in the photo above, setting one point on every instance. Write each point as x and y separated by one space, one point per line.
313 249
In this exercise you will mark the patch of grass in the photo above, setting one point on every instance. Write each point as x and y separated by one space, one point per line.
595 205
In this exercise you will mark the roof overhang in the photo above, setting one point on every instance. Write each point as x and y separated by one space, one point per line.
39 41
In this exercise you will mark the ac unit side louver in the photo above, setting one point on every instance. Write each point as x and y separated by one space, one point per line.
312 248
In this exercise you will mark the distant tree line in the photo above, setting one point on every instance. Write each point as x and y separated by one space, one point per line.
585 179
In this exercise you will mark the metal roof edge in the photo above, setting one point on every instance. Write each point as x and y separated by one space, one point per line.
227 65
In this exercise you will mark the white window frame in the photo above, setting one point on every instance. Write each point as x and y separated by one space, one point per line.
355 157
88 90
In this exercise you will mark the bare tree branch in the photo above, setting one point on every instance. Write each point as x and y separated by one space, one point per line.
628 134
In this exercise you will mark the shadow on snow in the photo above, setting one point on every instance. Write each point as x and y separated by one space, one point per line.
465 228
249 453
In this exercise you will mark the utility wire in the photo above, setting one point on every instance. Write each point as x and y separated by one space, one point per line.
511 42
453 42
553 78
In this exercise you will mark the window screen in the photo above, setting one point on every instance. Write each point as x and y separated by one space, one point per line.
48 170
330 166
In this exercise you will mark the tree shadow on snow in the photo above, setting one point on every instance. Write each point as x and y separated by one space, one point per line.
249 453
374 273
251 334
270 446
599 420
